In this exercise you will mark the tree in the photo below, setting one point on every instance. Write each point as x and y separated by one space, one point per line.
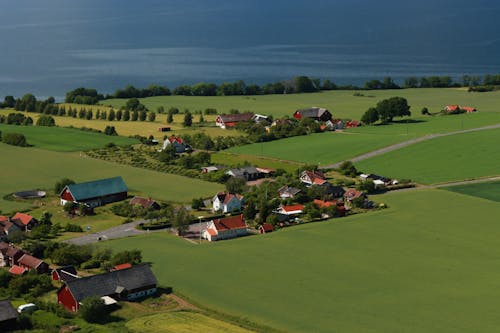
311 211
142 115
119 115
88 115
111 115
347 168
126 115
425 111
45 219
170 117
202 120
197 203
367 186
93 310
151 116
250 210
181 220
133 257
15 139
393 107
188 119
235 185
45 121
135 115
370 116
60 185
9 102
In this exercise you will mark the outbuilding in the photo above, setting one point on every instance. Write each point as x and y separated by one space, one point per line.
95 193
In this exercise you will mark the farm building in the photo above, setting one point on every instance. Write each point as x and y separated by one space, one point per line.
10 255
286 192
230 120
145 203
312 177
179 145
125 284
320 114
95 193
225 228
64 274
30 263
7 226
248 173
227 202
335 191
265 228
24 221
8 316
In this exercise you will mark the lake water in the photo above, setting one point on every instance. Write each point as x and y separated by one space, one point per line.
49 47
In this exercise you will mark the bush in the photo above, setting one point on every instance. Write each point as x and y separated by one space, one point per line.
15 139
93 310
69 227
45 121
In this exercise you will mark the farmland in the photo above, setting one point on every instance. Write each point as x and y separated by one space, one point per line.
31 168
444 159
377 272
486 190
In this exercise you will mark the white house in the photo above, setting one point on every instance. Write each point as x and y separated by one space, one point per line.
227 202
177 142
312 177
290 210
225 228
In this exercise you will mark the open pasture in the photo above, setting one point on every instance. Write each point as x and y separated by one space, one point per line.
342 103
486 190
30 168
444 159
414 267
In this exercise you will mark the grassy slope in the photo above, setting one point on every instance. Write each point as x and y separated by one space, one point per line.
450 158
30 168
414 268
488 190
342 103
64 139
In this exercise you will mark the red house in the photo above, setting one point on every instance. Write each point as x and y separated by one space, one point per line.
230 120
65 273
29 263
265 228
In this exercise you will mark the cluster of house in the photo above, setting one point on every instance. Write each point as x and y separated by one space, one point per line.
456 107
379 181
235 226
18 222
20 262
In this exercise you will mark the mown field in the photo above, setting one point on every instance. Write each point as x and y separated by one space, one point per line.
342 104
445 159
64 139
486 190
414 267
30 168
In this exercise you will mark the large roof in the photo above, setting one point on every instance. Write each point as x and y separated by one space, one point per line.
97 188
313 112
230 118
67 273
30 261
106 284
229 223
7 311
24 218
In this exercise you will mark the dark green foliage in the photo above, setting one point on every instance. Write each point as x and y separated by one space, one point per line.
133 104
119 115
142 115
110 130
5 278
69 227
135 115
70 254
45 121
347 168
197 203
15 139
425 111
32 284
132 257
111 115
151 116
393 107
83 96
126 115
367 186
303 84
89 114
370 116
181 220
235 185
188 119
93 310
18 119
183 90
60 185
8 102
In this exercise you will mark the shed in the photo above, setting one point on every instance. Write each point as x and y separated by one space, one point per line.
8 316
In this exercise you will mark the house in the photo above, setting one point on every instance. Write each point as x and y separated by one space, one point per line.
95 193
455 108
8 316
352 194
64 274
3 250
377 180
286 192
319 114
17 270
7 226
145 203
265 228
29 263
352 123
225 228
335 191
290 209
452 108
227 202
212 168
335 124
468 109
12 255
231 120
126 284
249 173
258 118
24 221
313 177
179 145
325 204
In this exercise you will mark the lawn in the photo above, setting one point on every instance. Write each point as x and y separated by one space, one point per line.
30 168
486 190
64 139
342 104
445 159
321 148
429 263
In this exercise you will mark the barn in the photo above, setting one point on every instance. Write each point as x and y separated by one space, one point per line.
95 193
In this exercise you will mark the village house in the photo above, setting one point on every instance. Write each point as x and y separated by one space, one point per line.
265 228
248 173
336 191
227 202
326 204
30 263
319 114
225 228
95 193
179 145
212 168
456 108
352 123
258 118
231 120
145 203
353 194
7 227
287 192
126 284
24 221
313 177
11 255
290 210
64 274
8 316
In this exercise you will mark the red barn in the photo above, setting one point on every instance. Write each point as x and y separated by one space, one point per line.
230 120
65 273
95 193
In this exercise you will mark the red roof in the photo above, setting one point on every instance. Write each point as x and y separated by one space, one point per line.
3 218
30 261
225 197
316 177
468 108
212 232
24 218
351 194
452 107
268 227
174 138
292 208
324 204
17 270
122 266
145 203
229 223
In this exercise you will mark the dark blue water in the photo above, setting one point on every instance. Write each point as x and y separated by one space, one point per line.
49 47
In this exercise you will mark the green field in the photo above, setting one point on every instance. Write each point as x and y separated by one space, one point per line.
320 148
181 322
415 267
30 168
445 159
342 104
486 190
64 139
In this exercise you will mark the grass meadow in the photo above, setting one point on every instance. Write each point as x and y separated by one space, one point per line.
64 139
415 267
30 168
342 103
445 159
486 190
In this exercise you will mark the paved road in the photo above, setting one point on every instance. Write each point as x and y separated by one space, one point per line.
408 143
